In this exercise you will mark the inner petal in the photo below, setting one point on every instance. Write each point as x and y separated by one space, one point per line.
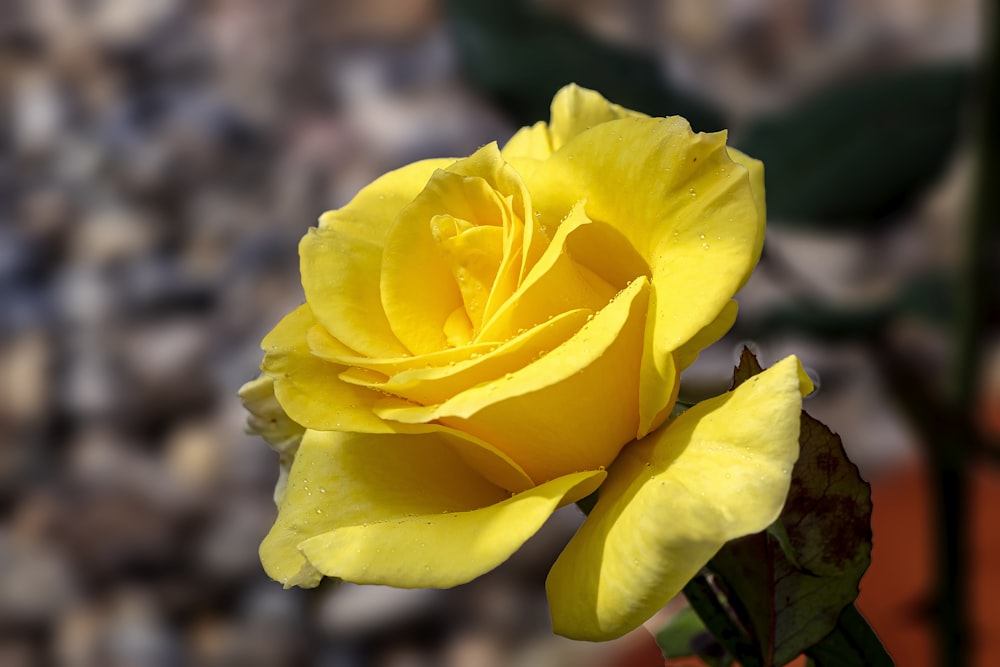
419 291
437 384
474 255
556 284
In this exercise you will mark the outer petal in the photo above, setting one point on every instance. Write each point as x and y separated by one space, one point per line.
688 209
719 471
300 379
755 168
529 142
268 420
443 550
344 484
687 353
341 261
576 110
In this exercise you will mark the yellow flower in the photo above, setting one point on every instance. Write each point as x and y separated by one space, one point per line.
487 339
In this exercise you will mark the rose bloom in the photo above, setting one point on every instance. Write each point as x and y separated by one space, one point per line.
486 339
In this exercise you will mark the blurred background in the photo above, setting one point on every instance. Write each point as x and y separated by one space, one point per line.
160 159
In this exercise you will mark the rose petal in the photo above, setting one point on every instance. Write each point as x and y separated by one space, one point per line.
474 256
342 481
328 348
341 261
556 284
437 384
576 110
312 394
689 210
573 409
756 171
443 550
418 289
719 471
299 378
687 353
529 142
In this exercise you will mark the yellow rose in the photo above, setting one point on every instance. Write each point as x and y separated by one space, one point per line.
487 339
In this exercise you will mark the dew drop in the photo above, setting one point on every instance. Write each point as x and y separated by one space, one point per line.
701 236
692 192
508 376
704 246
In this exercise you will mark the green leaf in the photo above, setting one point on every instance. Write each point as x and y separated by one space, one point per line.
790 604
711 607
852 642
857 152
686 635
520 57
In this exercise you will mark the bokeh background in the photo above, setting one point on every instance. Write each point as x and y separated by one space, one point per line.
160 159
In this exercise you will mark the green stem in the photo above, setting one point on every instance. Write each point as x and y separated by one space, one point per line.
951 461
705 601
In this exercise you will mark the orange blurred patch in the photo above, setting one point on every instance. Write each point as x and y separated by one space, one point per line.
896 593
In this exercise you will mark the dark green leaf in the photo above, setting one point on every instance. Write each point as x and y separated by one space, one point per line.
852 642
711 606
686 635
857 152
788 605
520 57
